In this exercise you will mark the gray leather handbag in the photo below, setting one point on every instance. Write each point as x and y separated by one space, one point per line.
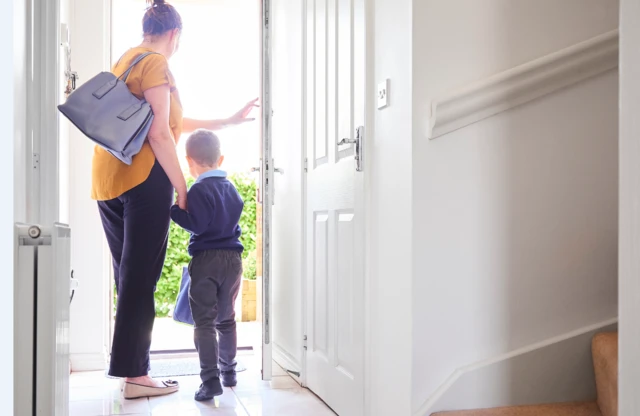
108 113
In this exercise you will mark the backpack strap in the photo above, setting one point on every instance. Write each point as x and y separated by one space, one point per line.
124 76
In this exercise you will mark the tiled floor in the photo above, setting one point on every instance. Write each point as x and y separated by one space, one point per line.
94 395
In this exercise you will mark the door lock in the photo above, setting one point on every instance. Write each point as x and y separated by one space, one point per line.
359 142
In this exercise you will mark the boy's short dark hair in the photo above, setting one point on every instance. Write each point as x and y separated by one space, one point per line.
203 146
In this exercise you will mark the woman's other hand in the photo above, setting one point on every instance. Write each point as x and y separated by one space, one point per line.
242 116
181 200
161 138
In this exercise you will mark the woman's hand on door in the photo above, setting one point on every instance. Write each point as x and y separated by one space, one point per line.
190 125
242 116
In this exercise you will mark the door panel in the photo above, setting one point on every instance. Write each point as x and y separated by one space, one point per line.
344 292
334 91
321 284
320 83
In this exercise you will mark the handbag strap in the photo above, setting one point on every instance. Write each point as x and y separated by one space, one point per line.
124 76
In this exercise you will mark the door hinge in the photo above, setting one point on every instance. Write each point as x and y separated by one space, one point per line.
35 160
304 342
306 164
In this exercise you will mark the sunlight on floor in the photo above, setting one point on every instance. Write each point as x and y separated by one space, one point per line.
94 395
169 335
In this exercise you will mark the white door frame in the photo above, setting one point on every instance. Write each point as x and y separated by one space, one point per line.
47 81
90 49
629 225
369 123
369 129
303 217
266 187
42 124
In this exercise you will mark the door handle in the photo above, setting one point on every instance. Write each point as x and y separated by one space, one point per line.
359 142
347 141
273 186
259 171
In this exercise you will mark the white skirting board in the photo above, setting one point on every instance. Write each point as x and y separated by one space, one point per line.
88 362
286 360
556 370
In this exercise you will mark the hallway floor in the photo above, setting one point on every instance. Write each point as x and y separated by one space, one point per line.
94 395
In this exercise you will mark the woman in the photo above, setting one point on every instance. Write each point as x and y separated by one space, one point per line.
135 201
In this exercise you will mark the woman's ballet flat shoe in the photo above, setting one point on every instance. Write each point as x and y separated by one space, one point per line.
137 391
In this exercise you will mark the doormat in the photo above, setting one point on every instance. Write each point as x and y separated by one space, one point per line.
180 367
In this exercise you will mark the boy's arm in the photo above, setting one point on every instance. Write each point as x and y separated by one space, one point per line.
198 218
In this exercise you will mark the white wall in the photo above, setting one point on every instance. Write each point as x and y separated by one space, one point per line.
388 149
89 259
460 41
514 217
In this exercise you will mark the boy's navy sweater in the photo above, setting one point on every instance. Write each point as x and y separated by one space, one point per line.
214 208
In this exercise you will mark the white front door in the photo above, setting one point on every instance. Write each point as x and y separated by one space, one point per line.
335 109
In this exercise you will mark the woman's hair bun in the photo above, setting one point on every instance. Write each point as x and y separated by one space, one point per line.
159 18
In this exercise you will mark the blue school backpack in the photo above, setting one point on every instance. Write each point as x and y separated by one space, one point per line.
182 311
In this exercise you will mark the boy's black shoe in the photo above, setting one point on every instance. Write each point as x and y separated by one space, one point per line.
208 390
229 378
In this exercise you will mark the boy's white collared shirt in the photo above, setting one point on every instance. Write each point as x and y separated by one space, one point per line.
214 173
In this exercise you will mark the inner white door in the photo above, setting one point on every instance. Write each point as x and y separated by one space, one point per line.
287 250
335 109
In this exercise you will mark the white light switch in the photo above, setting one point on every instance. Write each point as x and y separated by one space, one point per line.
383 94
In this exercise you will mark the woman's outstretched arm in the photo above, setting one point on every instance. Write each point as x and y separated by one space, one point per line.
190 125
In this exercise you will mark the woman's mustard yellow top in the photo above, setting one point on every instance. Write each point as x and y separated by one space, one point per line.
111 178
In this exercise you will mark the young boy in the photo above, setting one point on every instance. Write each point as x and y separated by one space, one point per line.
213 212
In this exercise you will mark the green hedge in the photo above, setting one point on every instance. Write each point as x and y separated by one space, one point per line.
178 257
